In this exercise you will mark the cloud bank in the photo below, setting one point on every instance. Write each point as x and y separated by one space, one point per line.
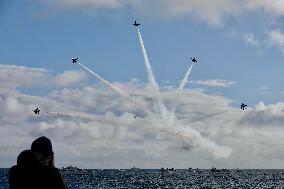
13 76
214 83
98 128
211 11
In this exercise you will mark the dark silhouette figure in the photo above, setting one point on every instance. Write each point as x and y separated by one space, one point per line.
35 168
243 106
136 24
74 60
36 111
193 60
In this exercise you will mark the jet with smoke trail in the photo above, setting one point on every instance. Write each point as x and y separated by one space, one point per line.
179 133
136 24
193 136
151 78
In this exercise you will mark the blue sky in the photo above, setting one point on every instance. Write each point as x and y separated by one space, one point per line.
239 47
35 35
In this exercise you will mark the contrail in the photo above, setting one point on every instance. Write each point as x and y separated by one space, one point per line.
180 90
118 90
189 137
203 118
73 115
151 77
184 81
80 116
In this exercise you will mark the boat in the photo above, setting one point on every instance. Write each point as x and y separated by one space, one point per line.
70 170
134 168
214 169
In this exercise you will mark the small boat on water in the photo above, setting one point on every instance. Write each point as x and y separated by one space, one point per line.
70 170
214 169
134 168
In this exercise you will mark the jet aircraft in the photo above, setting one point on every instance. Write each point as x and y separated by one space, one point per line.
134 115
136 24
243 106
36 111
74 60
193 60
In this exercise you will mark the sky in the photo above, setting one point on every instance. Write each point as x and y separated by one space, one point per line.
181 122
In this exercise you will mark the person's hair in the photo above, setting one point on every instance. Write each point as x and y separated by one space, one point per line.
43 146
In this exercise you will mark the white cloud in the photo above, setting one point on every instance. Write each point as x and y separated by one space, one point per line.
206 127
95 4
214 83
12 76
212 11
67 78
251 40
276 38
262 115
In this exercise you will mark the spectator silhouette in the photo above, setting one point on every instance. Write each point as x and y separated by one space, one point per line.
35 168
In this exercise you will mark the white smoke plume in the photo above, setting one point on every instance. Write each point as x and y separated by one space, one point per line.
77 116
185 79
180 90
151 78
174 130
187 137
118 90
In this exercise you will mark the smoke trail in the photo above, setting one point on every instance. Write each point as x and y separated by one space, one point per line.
118 90
83 117
184 81
189 137
73 115
151 78
202 118
193 138
180 90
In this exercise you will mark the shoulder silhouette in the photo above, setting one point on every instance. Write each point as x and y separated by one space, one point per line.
35 169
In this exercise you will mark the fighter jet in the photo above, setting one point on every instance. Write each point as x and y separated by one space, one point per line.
36 111
134 115
136 24
193 60
74 60
243 106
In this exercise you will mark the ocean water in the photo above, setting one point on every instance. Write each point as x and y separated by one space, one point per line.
112 178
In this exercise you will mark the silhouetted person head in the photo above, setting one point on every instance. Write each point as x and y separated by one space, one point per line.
42 149
26 158
42 145
35 168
